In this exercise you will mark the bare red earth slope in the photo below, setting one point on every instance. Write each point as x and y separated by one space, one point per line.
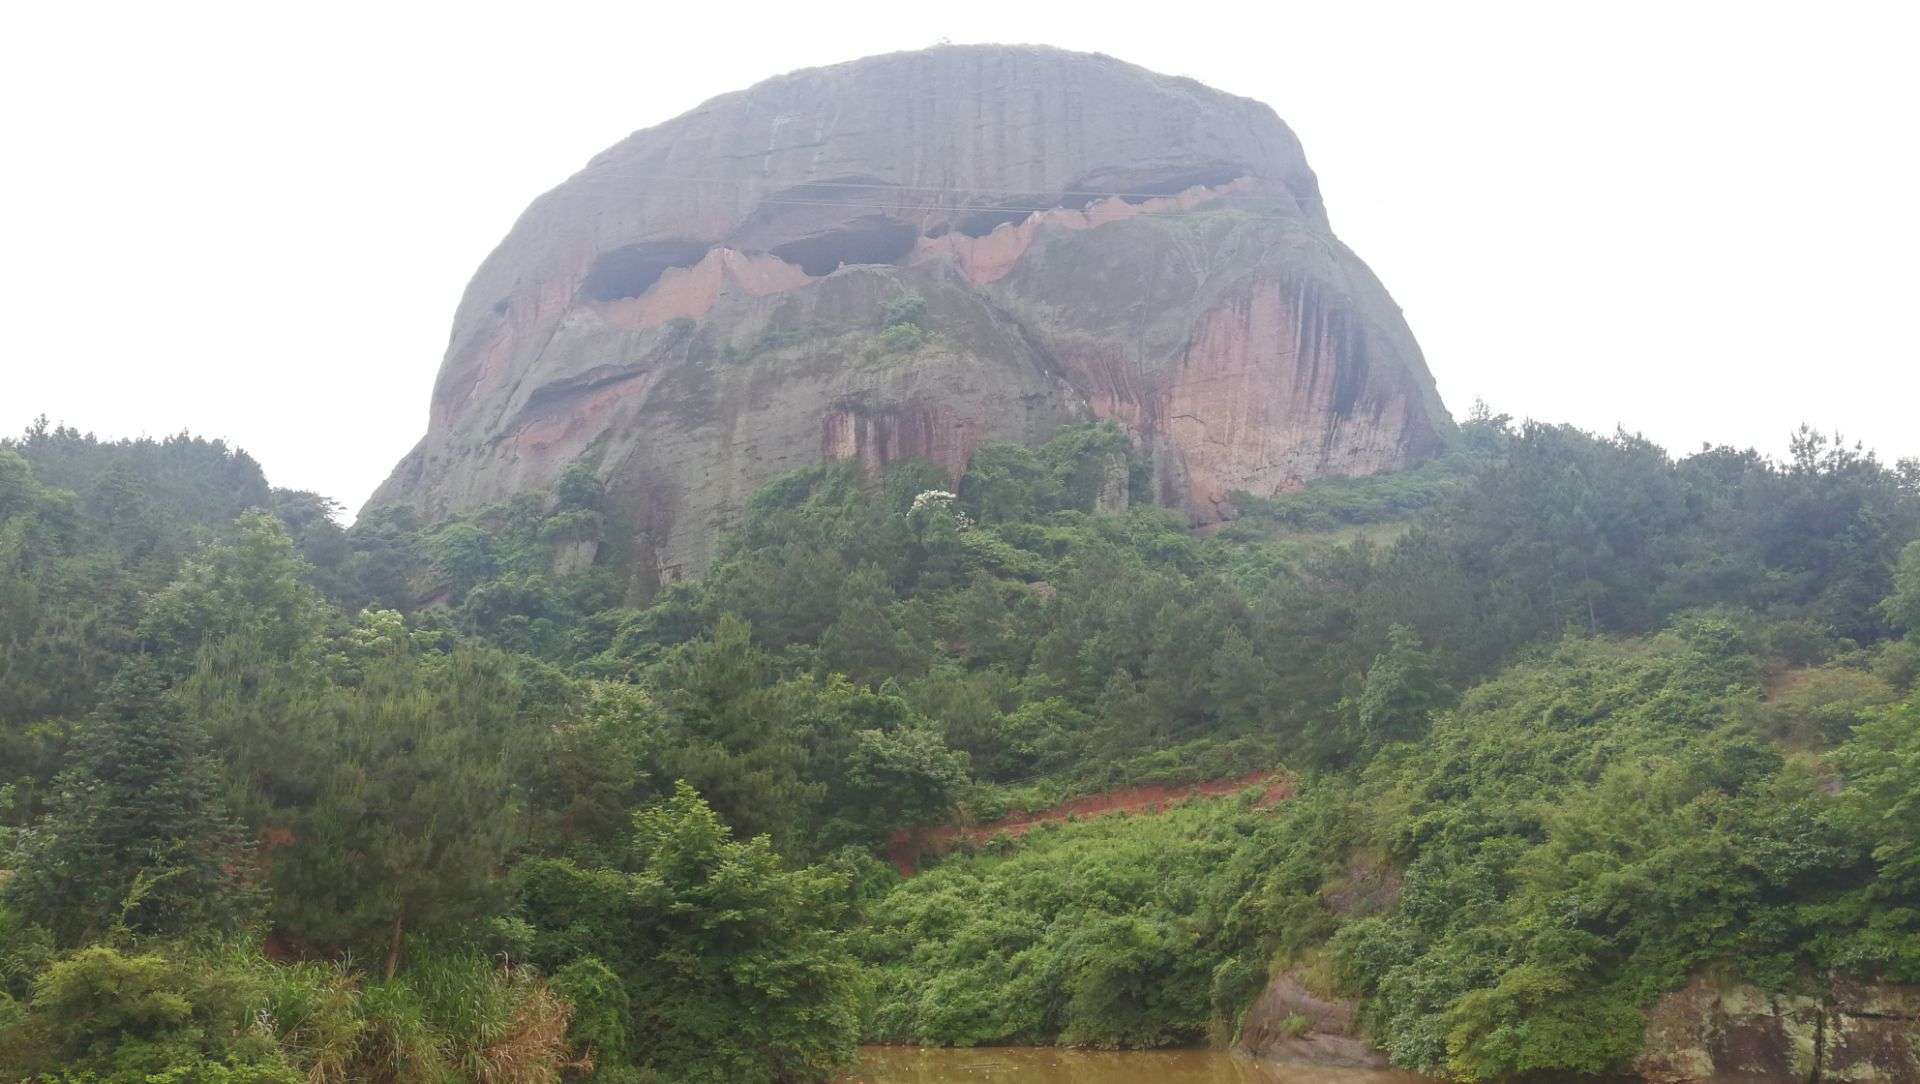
909 846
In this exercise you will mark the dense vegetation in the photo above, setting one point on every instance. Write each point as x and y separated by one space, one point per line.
1571 721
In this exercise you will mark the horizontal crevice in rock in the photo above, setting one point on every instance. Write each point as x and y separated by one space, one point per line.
1140 185
562 391
631 270
869 239
803 210
981 223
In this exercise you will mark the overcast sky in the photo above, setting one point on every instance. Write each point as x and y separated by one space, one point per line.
1697 220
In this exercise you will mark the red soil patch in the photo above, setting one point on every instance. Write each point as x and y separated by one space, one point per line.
907 846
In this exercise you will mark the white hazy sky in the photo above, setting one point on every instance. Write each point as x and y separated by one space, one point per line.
1699 220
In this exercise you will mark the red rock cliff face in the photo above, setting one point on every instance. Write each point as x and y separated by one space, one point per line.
1276 387
704 306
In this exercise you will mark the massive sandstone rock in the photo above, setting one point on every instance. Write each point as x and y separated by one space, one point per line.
705 305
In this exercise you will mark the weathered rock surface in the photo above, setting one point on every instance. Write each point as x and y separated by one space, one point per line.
1725 1032
1711 1031
703 306
1289 1023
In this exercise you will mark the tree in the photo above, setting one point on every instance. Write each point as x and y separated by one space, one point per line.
65 619
1007 483
1239 682
389 556
736 742
863 643
138 837
579 489
1902 608
737 967
1179 667
1403 688
903 776
465 555
967 709
1881 801
253 587
387 804
596 765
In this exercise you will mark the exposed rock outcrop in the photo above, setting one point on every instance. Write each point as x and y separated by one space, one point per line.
1289 1023
703 306
1713 1031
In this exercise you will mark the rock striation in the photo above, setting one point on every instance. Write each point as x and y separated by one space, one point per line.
907 255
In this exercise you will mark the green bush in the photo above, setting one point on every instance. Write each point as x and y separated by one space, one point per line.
127 1018
1113 931
602 1014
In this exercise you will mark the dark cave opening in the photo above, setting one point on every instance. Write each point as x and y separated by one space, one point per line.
868 239
631 270
981 223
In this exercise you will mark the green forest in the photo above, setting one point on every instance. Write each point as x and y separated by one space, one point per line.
1568 720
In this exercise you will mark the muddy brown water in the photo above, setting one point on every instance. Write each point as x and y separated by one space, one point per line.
1044 1065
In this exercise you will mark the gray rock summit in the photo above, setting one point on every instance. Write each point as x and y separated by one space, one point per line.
907 255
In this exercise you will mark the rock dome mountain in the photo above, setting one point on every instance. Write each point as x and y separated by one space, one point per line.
905 256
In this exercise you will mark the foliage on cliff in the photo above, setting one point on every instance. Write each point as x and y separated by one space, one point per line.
499 807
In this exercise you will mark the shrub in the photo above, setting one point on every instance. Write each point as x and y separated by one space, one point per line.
126 1018
25 951
602 1014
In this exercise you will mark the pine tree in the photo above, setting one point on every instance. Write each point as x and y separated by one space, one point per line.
863 642
1239 683
137 838
387 801
1403 687
742 745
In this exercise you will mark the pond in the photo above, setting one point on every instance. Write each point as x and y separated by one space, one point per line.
1046 1065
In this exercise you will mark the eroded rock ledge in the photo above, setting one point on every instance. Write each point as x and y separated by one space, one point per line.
645 286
